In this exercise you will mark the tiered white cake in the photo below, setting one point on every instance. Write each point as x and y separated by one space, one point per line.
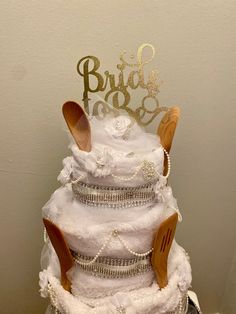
112 201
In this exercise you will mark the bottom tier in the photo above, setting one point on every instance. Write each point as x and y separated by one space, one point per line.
150 299
147 300
191 306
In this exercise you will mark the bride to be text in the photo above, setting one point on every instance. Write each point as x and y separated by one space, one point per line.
118 88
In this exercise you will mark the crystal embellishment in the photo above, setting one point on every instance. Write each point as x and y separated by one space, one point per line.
114 197
148 169
115 268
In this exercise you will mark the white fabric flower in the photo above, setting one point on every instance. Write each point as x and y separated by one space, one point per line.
119 127
43 283
99 162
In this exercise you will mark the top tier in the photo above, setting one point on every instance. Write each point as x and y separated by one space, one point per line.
122 155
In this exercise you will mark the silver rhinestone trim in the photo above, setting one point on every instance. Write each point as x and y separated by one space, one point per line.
114 197
115 268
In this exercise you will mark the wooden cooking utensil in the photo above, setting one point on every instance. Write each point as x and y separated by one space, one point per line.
63 252
166 130
78 124
167 126
162 244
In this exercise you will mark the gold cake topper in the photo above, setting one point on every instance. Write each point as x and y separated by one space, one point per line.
118 90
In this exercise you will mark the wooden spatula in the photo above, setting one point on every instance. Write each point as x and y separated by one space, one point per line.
78 124
161 244
63 252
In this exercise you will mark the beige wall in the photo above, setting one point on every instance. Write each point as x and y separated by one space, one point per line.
41 42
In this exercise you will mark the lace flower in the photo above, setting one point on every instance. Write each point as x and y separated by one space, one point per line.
119 127
99 162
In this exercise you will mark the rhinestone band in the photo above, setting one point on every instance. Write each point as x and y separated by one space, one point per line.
115 268
114 197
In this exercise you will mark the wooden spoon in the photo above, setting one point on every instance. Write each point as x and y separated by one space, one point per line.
78 124
63 252
167 126
162 244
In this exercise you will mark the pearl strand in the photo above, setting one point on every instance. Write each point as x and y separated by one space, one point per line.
131 251
55 302
168 163
138 168
186 305
53 298
108 240
168 167
126 179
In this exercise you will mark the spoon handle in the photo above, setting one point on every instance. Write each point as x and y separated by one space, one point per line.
63 252
162 243
78 124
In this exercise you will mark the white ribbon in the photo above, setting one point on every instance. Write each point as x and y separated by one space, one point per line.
164 195
65 174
